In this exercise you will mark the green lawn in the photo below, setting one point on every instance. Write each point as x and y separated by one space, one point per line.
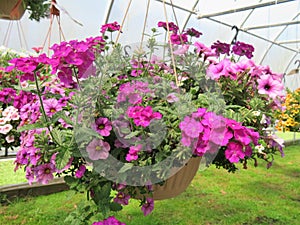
8 176
288 135
253 196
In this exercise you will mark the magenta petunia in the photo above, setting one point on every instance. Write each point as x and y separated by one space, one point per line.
122 198
133 153
111 27
109 221
103 126
80 171
98 149
234 152
148 206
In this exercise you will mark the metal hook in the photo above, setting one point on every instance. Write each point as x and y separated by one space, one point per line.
298 61
236 34
126 51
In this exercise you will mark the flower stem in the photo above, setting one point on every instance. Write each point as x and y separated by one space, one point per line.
42 105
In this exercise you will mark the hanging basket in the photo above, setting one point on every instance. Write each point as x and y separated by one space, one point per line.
11 9
175 184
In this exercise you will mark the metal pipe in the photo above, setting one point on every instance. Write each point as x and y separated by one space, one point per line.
243 8
190 14
289 42
225 24
257 36
280 33
108 11
272 25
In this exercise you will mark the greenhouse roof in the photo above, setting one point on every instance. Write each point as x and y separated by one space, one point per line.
272 27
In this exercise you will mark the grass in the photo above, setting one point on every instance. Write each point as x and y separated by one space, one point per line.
253 196
8 176
288 135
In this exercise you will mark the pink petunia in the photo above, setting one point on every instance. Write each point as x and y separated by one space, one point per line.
10 138
52 106
267 85
98 149
44 173
5 129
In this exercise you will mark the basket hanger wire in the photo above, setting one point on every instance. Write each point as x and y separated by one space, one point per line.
170 44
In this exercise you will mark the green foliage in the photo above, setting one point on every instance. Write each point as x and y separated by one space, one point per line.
38 9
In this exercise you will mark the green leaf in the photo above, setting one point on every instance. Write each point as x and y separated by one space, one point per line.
133 134
31 127
57 136
62 158
127 166
115 207
84 131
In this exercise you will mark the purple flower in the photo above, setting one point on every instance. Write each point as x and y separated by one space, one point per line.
109 221
215 71
29 175
172 26
44 173
80 172
267 85
148 206
111 27
234 152
241 49
182 50
191 127
52 106
206 51
179 38
172 98
98 149
122 198
103 126
133 153
142 116
193 32
221 48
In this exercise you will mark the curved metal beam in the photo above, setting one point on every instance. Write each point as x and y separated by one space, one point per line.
190 14
276 38
108 11
260 5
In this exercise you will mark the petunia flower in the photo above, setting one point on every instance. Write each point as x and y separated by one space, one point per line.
98 149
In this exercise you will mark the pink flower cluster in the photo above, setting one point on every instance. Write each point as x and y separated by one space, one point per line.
109 221
111 27
206 132
142 116
66 57
179 38
261 77
133 92
9 114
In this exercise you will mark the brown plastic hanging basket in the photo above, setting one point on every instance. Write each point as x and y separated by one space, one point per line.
11 9
175 184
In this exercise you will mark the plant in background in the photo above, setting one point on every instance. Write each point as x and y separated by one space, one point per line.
289 117
38 9
11 100
116 126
